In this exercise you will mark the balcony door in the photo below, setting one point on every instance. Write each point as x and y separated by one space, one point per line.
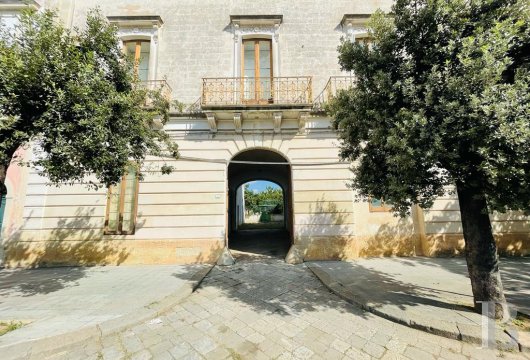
257 71
139 50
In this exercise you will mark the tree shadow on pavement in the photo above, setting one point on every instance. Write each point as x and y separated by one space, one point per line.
515 274
270 285
30 282
379 287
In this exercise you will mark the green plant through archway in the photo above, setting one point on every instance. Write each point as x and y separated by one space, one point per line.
264 206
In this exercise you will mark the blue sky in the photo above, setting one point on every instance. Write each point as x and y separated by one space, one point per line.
260 185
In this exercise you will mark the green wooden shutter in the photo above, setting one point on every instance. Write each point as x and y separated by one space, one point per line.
121 205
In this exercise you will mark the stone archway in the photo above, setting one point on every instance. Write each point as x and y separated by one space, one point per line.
260 164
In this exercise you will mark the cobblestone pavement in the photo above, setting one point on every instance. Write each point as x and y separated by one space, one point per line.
265 309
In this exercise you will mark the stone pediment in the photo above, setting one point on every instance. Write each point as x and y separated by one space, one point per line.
256 20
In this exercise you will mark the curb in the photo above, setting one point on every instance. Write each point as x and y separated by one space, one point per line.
43 347
463 332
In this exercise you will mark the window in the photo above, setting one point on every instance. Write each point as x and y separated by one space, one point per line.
139 50
257 70
122 203
10 12
363 40
355 28
139 35
256 56
379 205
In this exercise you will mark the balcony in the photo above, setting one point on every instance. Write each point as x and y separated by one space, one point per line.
248 93
333 86
157 85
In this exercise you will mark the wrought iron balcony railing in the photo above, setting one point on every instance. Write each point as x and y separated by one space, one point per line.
154 85
333 86
249 91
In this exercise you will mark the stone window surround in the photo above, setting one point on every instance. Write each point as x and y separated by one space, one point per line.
354 26
141 28
255 27
16 7
9 12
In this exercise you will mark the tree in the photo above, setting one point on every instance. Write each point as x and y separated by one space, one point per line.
442 100
251 200
76 96
269 196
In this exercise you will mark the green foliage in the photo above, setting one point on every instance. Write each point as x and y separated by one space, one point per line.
269 196
75 95
179 105
442 98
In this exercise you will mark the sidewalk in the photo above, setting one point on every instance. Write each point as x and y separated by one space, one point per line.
67 305
431 294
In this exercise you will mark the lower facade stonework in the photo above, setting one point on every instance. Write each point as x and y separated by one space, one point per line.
190 251
112 252
508 244
338 248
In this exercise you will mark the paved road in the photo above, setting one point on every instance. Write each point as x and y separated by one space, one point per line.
262 309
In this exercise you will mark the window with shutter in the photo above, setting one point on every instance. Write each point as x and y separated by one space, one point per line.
122 201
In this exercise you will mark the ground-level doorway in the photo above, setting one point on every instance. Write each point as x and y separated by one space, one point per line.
259 223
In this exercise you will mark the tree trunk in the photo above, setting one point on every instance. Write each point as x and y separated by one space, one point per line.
481 252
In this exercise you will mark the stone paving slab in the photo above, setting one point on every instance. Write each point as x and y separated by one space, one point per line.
267 309
71 304
433 295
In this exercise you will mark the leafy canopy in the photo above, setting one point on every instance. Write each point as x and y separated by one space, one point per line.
442 98
75 94
270 196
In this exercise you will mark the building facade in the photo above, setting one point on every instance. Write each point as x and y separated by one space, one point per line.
251 80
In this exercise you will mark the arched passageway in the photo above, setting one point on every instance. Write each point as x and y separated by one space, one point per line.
259 164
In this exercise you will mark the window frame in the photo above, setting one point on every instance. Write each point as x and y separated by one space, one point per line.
256 26
355 27
141 28
363 39
138 54
257 78
121 206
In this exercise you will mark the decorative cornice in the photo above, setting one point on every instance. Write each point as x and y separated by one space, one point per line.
16 5
354 20
255 24
138 31
136 21
256 20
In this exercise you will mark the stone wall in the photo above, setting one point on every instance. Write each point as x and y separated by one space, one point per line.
196 39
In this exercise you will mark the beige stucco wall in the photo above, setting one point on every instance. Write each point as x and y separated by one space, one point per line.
443 229
181 216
